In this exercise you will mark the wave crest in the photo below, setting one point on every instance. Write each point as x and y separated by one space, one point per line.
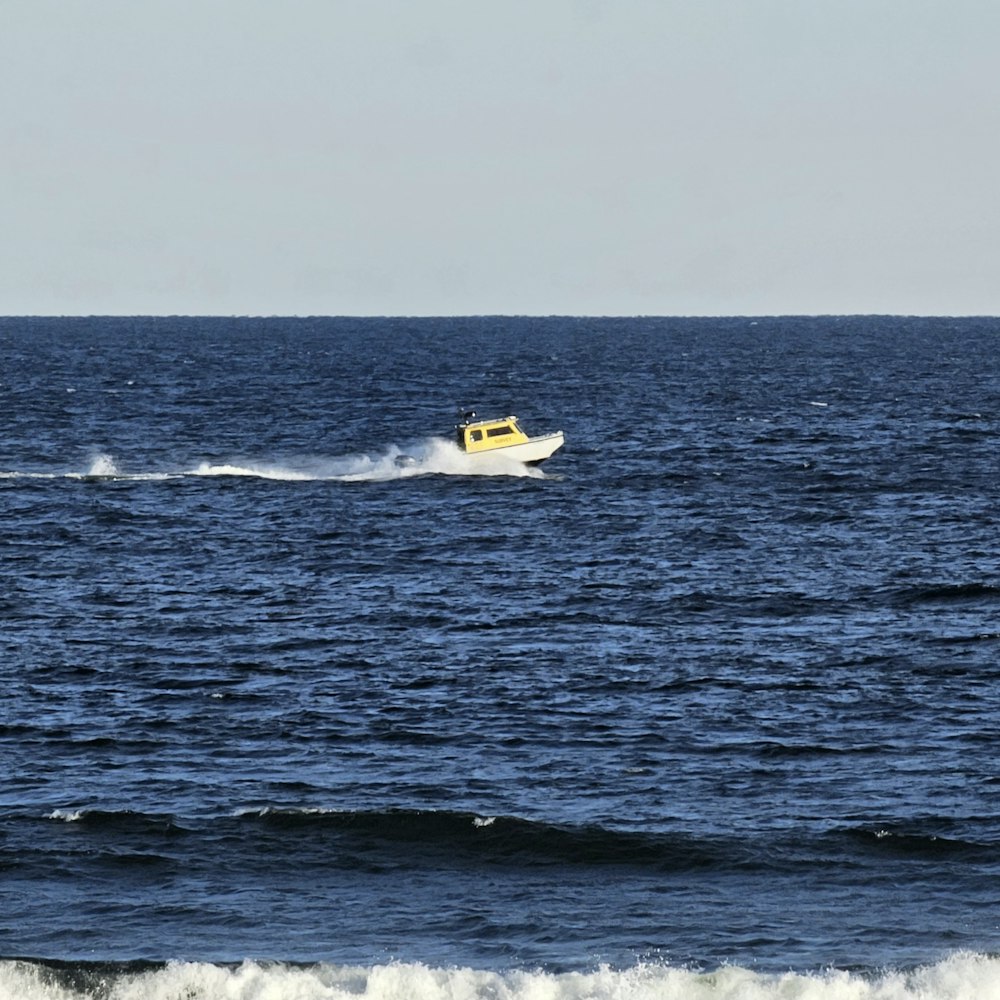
963 976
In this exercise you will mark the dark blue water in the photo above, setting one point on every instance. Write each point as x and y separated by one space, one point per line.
710 696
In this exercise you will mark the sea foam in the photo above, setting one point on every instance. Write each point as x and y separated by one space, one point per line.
962 976
434 456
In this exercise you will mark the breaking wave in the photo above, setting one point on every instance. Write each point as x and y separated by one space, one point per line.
962 976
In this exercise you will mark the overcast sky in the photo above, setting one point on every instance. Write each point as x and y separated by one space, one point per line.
419 157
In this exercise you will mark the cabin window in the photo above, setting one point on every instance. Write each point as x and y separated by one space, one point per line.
475 435
495 432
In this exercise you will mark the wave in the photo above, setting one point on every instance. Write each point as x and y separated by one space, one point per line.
435 456
502 840
947 593
125 821
442 837
923 845
962 976
466 839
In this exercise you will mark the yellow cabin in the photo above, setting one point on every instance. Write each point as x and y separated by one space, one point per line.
485 435
504 435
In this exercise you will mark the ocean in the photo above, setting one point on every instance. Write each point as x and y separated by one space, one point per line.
301 701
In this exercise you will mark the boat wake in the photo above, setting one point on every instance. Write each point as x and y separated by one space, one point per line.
434 456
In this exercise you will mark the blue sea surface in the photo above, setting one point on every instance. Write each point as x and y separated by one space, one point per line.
301 701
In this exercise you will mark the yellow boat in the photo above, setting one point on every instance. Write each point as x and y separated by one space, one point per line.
504 436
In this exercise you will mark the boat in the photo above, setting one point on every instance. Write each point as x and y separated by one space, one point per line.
504 436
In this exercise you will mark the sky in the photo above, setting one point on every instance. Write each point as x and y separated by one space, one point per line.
519 157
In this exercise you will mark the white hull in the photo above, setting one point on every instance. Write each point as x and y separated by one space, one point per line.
531 452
